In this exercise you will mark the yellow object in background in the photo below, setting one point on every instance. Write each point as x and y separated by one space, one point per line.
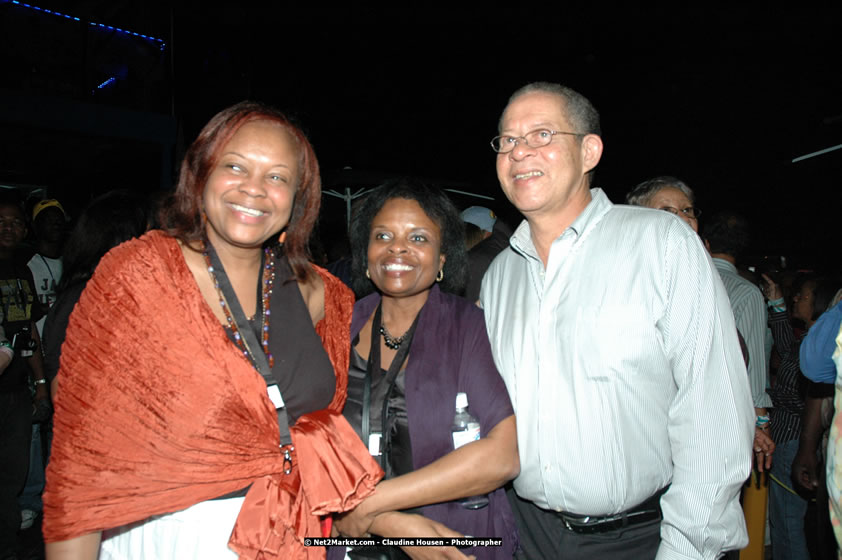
755 499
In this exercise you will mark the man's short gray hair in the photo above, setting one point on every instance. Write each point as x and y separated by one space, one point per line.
582 115
642 194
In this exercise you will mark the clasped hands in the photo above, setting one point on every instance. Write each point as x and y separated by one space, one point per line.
360 523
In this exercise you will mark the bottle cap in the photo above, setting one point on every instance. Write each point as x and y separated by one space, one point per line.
461 400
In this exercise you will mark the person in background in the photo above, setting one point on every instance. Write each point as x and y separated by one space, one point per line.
786 507
109 220
817 353
49 225
670 195
21 311
814 469
673 195
49 222
727 237
198 405
611 330
494 235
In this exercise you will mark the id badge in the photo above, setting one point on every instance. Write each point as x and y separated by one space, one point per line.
275 396
374 444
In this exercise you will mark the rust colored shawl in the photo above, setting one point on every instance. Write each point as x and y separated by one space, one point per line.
157 410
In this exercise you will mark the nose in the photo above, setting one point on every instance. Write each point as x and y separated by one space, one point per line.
521 150
397 246
252 186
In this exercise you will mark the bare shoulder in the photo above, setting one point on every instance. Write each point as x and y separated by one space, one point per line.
313 292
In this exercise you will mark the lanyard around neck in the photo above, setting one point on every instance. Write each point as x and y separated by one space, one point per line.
247 331
391 376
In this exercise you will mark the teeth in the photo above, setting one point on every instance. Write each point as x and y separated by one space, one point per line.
249 211
398 267
528 175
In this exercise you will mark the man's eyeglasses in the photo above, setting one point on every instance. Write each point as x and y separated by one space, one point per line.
690 211
535 139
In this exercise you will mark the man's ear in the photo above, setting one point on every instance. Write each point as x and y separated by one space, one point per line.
591 151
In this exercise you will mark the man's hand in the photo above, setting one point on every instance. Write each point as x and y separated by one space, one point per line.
804 470
763 449
42 408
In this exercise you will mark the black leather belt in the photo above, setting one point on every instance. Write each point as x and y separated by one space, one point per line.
648 510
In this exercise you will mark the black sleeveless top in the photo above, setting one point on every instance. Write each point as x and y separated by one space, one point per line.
396 444
302 368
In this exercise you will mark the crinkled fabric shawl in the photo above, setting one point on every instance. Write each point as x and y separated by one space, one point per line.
157 410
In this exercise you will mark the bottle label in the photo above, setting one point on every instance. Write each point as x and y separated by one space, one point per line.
466 436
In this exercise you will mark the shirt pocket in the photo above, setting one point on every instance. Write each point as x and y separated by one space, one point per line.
616 340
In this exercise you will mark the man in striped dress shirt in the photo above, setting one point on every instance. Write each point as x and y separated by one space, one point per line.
612 331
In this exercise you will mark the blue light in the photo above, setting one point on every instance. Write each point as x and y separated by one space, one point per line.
74 18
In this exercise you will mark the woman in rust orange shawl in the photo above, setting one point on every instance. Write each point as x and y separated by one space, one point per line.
160 406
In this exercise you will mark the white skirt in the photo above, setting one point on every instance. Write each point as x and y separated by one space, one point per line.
200 532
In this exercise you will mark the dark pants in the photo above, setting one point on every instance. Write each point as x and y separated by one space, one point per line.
543 535
15 433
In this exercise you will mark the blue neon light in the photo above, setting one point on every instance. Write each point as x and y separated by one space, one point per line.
31 7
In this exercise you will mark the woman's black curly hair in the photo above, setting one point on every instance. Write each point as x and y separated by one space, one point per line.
438 208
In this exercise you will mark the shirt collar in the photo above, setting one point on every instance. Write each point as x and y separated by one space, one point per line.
599 205
722 264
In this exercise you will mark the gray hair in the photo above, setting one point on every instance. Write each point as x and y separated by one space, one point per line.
582 115
642 194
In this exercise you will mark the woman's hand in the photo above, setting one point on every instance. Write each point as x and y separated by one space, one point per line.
770 289
394 524
354 523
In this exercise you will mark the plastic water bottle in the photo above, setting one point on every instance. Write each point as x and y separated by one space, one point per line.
466 429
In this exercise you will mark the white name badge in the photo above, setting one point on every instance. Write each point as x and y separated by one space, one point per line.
374 444
275 396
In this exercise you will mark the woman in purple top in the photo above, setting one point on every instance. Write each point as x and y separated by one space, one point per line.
414 347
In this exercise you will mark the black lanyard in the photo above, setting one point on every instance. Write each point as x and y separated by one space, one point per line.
391 376
247 331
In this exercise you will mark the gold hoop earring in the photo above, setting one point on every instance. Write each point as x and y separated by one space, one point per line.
367 274
440 275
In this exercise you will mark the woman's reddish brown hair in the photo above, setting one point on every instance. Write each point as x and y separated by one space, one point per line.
181 216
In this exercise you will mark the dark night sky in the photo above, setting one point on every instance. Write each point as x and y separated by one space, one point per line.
723 98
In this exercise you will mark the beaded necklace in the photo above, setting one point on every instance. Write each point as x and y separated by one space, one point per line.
268 263
393 342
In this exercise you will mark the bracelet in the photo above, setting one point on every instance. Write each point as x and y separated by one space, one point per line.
763 422
39 382
6 344
777 304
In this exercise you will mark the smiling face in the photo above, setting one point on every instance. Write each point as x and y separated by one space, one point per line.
249 194
674 200
404 250
549 180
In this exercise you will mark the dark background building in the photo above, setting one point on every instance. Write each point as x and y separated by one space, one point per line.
96 95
